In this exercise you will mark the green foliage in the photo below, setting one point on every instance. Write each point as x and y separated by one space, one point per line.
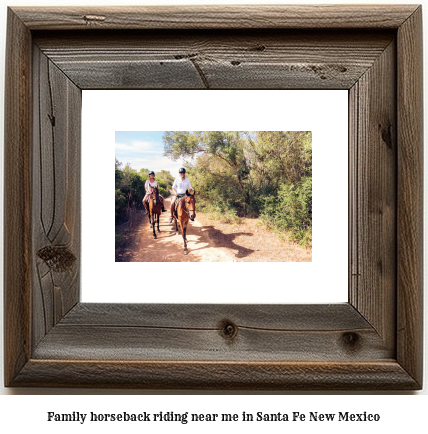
219 211
224 145
144 173
220 172
291 210
280 156
164 192
248 173
120 206
118 173
130 188
165 178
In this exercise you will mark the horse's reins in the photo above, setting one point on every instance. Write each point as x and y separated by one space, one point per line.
186 210
155 200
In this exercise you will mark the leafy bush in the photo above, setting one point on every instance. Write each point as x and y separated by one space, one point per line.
220 211
162 185
290 210
120 206
163 191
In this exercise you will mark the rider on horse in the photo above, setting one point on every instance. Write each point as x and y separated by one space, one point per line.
151 183
181 184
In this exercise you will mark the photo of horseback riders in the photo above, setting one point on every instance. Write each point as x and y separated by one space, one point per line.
180 212
253 191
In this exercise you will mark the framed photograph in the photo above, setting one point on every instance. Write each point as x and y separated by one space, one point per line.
372 341
230 242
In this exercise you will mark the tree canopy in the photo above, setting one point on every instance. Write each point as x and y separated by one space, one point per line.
250 173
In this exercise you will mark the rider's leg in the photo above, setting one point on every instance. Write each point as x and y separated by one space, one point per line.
172 209
145 202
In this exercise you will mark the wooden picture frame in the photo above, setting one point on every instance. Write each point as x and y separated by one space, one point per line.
372 342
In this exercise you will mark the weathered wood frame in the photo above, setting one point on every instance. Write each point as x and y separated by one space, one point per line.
372 342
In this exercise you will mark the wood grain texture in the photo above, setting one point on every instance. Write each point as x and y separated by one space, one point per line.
216 59
386 375
372 342
341 317
217 17
373 178
410 196
198 332
56 194
17 221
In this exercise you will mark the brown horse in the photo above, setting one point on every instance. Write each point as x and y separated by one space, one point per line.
185 211
155 208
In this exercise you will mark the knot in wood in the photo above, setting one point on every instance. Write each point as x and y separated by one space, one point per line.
386 134
228 330
94 18
351 340
58 259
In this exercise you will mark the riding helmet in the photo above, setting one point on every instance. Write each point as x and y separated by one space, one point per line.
151 173
182 170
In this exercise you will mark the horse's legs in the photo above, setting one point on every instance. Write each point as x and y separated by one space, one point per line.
149 212
184 229
158 222
154 224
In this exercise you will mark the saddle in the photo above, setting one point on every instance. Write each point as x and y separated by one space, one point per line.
177 203
146 204
148 200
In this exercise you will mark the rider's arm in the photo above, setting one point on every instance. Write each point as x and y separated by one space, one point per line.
174 186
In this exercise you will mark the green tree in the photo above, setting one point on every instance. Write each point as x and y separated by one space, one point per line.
144 173
118 173
281 156
165 177
248 173
223 145
218 168
132 186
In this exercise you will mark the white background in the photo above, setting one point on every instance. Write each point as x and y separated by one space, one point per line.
399 412
325 113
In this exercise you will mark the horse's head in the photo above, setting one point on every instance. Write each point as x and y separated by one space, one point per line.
154 194
191 203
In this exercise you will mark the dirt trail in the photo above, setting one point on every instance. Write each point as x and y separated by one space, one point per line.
207 241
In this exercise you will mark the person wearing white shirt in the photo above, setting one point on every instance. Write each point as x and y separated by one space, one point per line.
151 183
181 184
